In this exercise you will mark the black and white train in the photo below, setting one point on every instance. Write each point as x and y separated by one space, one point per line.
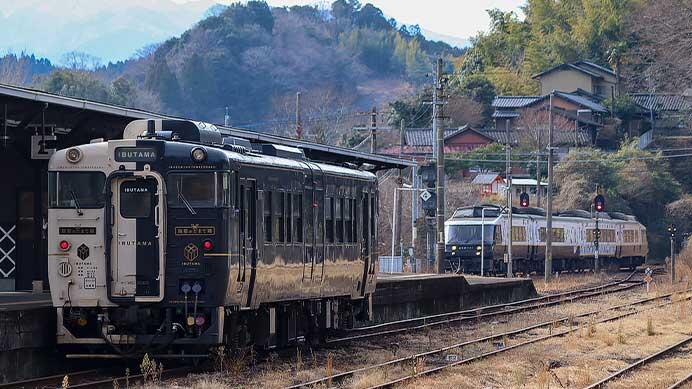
622 242
177 238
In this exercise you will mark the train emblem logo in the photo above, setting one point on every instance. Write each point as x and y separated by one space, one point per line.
191 252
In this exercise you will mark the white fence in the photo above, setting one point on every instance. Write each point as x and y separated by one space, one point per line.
389 264
645 139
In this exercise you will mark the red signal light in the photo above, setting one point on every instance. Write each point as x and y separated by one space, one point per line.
599 203
64 245
207 245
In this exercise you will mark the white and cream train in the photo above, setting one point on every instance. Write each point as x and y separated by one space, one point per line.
622 242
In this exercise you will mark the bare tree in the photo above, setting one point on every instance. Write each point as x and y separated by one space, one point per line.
659 58
77 60
14 71
532 134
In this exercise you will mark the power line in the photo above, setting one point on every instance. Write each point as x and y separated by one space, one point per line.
575 160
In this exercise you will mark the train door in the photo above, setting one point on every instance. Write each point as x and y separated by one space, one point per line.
248 228
365 237
138 240
319 248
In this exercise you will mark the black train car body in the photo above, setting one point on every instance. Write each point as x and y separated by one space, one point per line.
175 239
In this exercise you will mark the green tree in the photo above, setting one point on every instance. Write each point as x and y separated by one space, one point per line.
479 89
77 83
161 80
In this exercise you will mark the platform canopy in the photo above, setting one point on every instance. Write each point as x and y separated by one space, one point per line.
77 121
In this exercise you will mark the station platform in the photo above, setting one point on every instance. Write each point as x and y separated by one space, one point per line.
400 296
27 336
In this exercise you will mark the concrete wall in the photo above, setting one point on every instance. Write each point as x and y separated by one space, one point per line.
27 344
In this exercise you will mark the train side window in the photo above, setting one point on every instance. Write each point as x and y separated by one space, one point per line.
298 217
309 220
339 217
366 219
329 219
348 215
280 210
373 219
288 211
268 217
498 233
518 234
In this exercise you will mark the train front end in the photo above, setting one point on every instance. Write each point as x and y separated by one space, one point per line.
470 237
126 260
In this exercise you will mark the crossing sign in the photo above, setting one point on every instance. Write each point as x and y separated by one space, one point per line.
425 196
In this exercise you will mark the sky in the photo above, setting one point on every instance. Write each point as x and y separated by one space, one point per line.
456 18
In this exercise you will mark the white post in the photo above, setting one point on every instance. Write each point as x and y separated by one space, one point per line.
393 227
482 239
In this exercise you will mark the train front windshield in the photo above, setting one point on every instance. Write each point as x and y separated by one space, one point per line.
461 234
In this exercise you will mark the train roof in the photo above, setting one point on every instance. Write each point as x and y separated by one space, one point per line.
492 211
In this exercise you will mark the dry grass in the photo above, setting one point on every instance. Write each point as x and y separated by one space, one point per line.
569 281
578 359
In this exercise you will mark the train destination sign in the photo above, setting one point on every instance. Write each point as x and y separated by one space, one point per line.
135 154
77 230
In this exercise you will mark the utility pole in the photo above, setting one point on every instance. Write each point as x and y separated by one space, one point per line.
399 198
373 130
299 123
672 229
549 201
508 176
226 118
438 130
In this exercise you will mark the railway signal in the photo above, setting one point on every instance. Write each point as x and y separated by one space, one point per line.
524 199
599 203
672 230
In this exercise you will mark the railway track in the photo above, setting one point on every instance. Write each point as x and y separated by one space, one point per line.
401 326
410 367
93 378
666 352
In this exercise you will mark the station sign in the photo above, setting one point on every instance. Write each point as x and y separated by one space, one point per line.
42 146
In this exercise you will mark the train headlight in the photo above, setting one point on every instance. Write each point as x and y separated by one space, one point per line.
73 155
198 154
64 245
199 320
478 248
454 248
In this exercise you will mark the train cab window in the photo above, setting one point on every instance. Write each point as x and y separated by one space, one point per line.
498 233
280 210
329 219
339 217
136 198
198 190
298 217
76 189
268 217
348 220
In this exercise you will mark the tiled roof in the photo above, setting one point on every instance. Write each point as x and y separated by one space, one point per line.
586 67
515 101
424 136
560 137
661 102
503 114
485 178
594 65
583 101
